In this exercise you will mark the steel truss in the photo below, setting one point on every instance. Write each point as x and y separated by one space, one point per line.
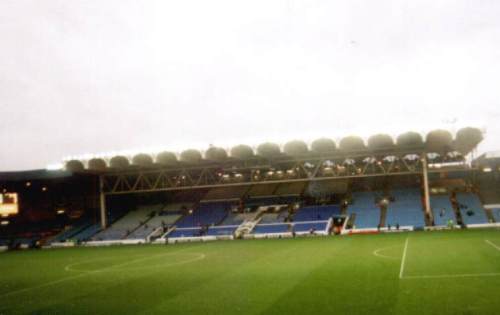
284 170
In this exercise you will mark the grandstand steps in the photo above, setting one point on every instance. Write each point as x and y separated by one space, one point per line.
259 213
247 226
169 230
223 218
157 233
139 226
68 233
87 233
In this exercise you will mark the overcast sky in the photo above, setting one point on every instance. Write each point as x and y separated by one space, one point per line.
81 77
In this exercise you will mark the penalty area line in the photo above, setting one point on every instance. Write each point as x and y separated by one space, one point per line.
378 254
492 244
403 259
81 275
465 275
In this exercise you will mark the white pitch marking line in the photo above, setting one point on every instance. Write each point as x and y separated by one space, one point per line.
454 276
403 259
198 256
376 252
492 244
85 274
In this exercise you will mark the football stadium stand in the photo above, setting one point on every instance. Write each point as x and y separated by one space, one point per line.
128 223
71 232
471 208
270 200
185 232
290 189
236 218
442 210
225 193
316 213
310 226
161 220
221 230
496 214
211 213
86 233
406 209
275 214
365 209
250 193
264 190
271 228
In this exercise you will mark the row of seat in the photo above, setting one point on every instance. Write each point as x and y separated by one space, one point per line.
366 212
405 208
217 218
259 229
471 208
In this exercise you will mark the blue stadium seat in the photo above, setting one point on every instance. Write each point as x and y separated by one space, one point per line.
442 209
367 212
71 232
205 214
271 228
316 213
87 233
473 212
221 230
406 209
190 232
304 227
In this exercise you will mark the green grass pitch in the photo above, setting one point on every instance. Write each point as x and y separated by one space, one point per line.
454 272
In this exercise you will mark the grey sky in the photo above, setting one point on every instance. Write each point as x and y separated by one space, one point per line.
91 76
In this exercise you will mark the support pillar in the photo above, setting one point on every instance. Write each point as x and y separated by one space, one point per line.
427 202
102 200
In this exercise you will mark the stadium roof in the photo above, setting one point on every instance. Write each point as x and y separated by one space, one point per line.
34 175
437 141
